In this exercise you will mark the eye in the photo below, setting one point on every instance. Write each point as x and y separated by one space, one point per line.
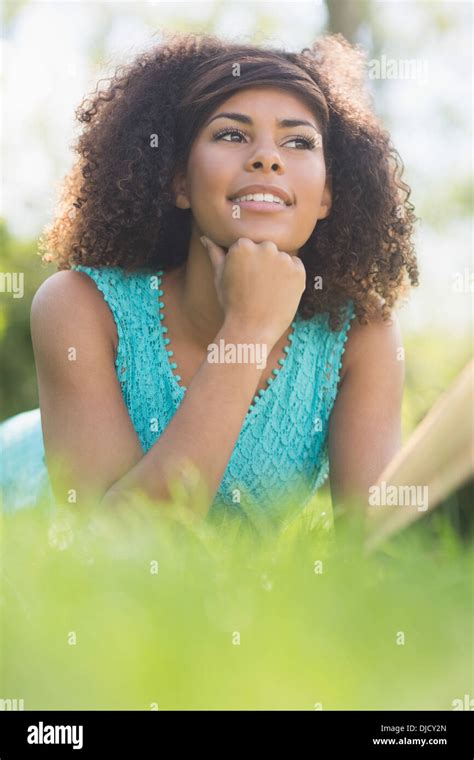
306 143
309 143
229 131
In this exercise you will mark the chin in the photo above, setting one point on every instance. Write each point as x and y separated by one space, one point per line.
259 234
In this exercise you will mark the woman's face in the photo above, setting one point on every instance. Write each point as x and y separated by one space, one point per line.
233 154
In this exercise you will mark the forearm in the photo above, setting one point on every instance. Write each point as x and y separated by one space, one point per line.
203 431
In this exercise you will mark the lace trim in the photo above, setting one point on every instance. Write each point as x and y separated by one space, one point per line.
173 365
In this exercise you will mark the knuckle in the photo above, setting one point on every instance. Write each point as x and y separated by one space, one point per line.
268 245
244 242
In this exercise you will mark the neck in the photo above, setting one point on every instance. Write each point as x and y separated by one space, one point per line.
199 306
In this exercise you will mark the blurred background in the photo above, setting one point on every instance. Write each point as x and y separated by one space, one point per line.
419 72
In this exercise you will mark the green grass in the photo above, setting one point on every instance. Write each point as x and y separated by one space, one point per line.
167 635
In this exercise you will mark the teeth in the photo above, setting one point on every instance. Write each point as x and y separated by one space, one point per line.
266 197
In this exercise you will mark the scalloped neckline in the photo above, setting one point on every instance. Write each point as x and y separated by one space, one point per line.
261 394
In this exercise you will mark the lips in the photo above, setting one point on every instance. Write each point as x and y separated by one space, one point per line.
253 189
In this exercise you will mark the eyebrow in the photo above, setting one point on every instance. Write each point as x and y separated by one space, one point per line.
244 119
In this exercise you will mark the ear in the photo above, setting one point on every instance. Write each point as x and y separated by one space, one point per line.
326 200
180 193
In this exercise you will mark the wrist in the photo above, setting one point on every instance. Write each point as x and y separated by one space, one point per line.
234 331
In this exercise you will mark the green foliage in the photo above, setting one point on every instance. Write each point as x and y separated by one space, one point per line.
19 391
432 361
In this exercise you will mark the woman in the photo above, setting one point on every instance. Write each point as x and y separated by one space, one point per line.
231 211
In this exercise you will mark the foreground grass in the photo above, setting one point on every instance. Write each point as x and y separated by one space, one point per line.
149 612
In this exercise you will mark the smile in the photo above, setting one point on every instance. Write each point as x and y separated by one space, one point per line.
266 197
260 202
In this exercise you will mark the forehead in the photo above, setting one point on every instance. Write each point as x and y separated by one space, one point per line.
269 102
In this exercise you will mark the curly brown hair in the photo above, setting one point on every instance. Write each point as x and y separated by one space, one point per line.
117 203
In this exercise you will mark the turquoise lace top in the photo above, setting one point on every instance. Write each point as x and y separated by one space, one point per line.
281 452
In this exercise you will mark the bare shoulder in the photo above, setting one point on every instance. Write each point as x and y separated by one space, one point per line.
69 304
377 341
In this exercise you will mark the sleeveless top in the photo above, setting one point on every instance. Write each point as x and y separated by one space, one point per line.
281 455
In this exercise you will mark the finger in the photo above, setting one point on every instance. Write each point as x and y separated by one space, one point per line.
298 263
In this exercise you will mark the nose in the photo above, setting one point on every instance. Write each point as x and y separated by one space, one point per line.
267 158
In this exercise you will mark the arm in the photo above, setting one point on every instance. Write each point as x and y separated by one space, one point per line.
91 445
365 424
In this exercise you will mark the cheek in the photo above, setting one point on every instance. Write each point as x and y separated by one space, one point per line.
208 175
309 193
310 178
